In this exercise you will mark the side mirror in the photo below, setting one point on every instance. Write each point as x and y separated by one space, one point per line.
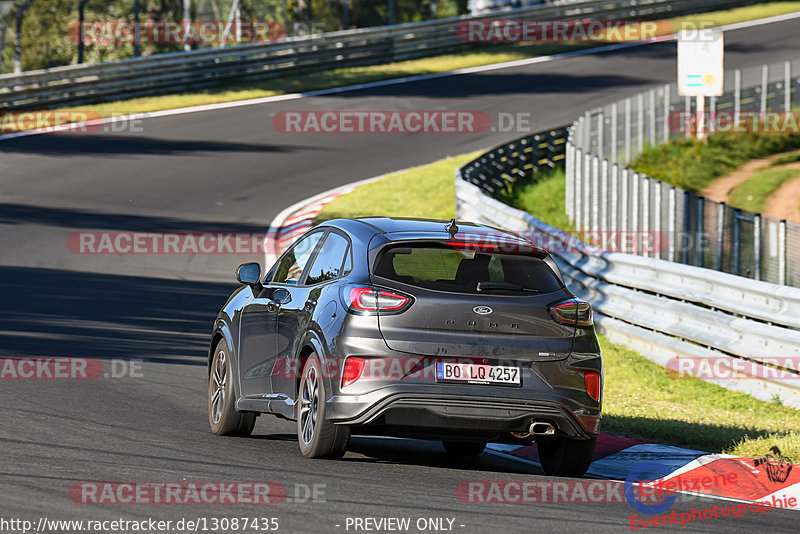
249 274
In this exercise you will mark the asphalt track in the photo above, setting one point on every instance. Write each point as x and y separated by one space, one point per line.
229 170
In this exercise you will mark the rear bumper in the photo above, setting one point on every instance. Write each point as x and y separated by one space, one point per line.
485 415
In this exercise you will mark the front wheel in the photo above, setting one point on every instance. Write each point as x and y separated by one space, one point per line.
222 414
318 437
564 457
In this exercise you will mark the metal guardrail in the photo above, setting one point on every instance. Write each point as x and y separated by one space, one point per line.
666 310
605 196
184 71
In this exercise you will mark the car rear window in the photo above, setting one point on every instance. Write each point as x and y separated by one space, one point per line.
445 268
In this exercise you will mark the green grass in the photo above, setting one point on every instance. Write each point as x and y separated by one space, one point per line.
752 194
427 191
788 159
468 57
692 164
543 198
641 399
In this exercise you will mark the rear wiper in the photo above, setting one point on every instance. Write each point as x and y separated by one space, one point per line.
507 286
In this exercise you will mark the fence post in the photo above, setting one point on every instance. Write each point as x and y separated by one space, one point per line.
720 230
657 216
764 88
787 70
635 201
671 222
711 123
640 126
782 253
757 246
652 115
645 204
595 192
628 105
737 92
603 196
601 126
18 36
587 179
666 112
614 132
624 200
737 235
701 202
614 212
587 130
687 109
569 189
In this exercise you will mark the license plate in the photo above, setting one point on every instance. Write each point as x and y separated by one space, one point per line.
473 373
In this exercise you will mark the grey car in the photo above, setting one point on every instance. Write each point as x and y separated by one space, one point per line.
456 332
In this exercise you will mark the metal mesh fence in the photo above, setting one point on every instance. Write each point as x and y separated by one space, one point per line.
605 196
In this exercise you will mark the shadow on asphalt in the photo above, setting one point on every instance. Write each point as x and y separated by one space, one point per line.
49 312
73 218
81 144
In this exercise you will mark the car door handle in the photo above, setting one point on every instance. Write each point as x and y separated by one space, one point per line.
310 303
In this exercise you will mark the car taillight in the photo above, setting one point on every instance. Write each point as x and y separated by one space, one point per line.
592 380
574 312
367 299
353 367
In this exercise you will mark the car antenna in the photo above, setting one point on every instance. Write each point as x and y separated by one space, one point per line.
452 228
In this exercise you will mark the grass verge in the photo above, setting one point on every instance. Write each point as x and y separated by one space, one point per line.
692 164
641 400
752 194
469 57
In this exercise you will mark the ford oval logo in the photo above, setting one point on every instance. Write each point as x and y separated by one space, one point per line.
482 310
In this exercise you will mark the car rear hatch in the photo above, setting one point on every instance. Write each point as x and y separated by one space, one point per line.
472 299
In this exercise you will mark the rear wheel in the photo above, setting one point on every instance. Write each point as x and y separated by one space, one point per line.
318 437
222 414
464 448
564 457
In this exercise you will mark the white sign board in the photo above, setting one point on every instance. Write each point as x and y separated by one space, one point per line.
701 63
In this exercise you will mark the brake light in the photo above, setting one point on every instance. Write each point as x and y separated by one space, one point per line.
353 367
573 312
367 299
592 381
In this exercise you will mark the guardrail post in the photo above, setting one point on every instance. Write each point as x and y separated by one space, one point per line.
787 71
764 88
782 253
18 36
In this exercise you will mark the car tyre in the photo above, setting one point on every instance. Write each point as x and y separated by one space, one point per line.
464 448
317 437
565 457
222 414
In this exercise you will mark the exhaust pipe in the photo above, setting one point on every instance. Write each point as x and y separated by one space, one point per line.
540 428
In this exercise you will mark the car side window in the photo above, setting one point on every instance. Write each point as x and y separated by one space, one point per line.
294 262
329 263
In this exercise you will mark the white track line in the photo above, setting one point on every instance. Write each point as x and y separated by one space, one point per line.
394 81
